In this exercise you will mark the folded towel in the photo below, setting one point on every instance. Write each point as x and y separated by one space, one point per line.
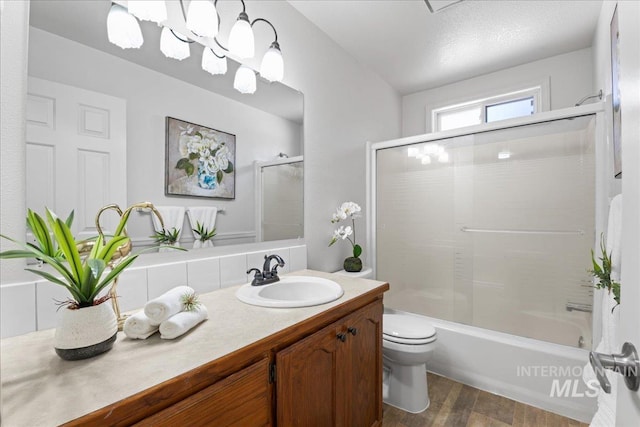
172 216
203 215
614 235
182 322
166 305
139 327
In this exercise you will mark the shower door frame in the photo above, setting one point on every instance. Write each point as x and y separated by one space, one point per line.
602 143
257 183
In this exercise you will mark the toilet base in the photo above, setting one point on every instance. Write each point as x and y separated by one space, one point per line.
407 388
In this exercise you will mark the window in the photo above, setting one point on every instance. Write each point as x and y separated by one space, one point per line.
506 106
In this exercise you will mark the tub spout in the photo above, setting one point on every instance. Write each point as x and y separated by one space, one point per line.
576 306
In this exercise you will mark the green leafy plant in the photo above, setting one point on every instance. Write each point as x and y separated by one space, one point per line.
204 233
603 273
83 274
166 237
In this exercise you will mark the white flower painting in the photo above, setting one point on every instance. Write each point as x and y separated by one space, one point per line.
200 161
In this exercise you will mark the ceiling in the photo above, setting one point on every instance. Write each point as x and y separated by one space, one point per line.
414 49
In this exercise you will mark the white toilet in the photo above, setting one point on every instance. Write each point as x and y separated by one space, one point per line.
407 343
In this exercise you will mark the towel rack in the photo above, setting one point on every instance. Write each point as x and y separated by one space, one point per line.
495 230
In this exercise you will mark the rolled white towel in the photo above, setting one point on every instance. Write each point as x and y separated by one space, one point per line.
138 326
166 305
182 322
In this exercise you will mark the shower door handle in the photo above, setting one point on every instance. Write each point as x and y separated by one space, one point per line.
625 363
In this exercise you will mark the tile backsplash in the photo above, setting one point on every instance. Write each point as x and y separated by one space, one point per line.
30 306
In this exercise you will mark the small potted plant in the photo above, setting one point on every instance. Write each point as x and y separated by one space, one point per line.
603 273
204 236
348 210
87 326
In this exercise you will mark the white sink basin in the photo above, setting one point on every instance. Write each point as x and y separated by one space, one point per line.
291 291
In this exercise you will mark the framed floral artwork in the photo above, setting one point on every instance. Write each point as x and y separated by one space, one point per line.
199 161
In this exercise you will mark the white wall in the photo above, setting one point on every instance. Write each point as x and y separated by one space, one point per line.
345 105
570 79
150 97
13 84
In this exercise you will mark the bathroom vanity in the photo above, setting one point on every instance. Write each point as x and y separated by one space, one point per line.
246 365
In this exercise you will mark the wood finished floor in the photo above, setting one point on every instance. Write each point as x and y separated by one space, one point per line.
458 405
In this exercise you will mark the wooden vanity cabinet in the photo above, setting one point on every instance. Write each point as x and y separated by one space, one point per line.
242 399
327 371
334 376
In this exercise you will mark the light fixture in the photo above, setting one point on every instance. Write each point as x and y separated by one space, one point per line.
245 80
202 18
272 67
425 160
123 29
212 63
203 22
502 155
148 10
173 45
241 40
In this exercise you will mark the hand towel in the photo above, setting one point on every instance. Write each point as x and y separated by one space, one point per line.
138 326
182 322
173 217
606 414
166 305
614 235
203 215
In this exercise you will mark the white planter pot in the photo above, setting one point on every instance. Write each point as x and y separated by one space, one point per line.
85 332
197 244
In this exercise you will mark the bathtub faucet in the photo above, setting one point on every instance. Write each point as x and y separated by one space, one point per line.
268 274
576 306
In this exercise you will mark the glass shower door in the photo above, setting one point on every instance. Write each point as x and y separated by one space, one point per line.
492 229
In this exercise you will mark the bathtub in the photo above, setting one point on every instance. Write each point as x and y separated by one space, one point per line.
538 373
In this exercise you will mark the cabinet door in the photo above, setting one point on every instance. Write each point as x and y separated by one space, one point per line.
362 363
242 399
306 381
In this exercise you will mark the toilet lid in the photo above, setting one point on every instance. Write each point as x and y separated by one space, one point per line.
406 327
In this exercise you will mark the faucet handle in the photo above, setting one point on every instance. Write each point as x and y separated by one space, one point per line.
257 277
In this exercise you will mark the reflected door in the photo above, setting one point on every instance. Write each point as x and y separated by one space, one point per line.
76 153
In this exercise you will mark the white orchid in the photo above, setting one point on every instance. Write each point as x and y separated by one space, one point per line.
347 210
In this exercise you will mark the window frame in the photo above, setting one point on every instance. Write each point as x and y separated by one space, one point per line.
536 92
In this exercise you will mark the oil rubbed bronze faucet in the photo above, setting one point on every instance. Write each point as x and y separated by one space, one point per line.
268 274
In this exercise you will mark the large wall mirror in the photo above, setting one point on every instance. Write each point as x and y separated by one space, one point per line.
96 117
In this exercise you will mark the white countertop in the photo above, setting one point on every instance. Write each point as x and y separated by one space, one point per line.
40 389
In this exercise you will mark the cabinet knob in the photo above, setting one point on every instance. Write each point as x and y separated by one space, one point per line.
342 337
352 330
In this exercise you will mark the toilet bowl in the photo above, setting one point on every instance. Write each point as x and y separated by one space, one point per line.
407 343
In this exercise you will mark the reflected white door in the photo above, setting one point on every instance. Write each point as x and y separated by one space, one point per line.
76 153
628 411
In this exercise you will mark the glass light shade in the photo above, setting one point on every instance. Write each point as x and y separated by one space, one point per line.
272 67
245 80
123 29
212 64
202 18
172 47
241 40
148 10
